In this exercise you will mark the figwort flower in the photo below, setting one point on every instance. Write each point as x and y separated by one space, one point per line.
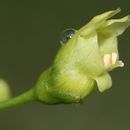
82 63
100 35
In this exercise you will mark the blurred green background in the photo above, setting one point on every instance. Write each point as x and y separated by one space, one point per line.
29 39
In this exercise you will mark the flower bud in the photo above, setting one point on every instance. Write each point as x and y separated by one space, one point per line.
4 91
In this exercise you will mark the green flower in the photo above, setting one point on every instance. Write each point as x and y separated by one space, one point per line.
80 65
100 36
84 60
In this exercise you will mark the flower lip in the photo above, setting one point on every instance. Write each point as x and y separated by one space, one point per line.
96 22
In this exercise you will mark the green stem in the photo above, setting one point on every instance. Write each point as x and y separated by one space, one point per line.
23 98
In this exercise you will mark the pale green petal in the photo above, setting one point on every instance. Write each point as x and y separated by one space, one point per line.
89 55
117 26
105 16
97 22
107 43
104 82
